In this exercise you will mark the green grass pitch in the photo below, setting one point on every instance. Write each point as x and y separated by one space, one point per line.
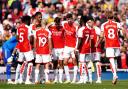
104 85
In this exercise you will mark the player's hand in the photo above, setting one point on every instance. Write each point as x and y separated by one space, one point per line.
1 62
50 63
96 45
76 51
10 59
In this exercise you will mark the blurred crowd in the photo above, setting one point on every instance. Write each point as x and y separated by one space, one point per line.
11 12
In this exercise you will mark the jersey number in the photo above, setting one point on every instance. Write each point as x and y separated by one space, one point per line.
21 38
87 38
111 34
42 41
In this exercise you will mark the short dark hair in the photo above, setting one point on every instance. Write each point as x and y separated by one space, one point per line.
57 20
109 14
26 20
69 15
37 13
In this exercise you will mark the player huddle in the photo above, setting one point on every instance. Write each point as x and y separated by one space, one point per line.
55 43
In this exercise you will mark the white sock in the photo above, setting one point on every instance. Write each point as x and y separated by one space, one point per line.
67 72
17 72
46 71
55 74
89 71
36 75
81 68
60 74
98 70
113 67
22 68
85 74
29 71
75 73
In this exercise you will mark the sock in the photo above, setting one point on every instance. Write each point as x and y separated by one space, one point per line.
75 73
22 68
89 71
60 74
55 74
81 71
17 72
113 67
8 71
46 71
29 71
98 70
67 72
85 76
36 75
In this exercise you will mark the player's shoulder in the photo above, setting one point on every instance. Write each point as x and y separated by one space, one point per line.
104 23
96 28
64 22
81 28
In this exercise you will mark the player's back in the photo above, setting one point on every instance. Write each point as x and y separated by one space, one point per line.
110 29
23 38
11 43
42 37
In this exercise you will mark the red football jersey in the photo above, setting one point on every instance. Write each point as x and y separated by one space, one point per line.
42 35
94 38
24 33
84 33
70 35
110 29
57 36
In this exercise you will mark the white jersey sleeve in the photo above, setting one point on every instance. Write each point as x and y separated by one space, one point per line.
102 27
119 26
49 35
97 29
80 32
63 22
30 32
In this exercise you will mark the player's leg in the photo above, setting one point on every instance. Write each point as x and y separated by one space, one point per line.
55 67
96 58
22 67
29 57
46 60
66 69
55 63
89 66
60 62
6 55
110 53
81 68
75 67
38 61
17 74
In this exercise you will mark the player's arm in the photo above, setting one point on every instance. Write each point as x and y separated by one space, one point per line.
79 37
10 59
100 39
79 42
50 42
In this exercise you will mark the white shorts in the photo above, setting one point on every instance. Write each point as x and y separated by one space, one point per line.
69 52
85 57
112 52
42 58
57 54
96 56
26 56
